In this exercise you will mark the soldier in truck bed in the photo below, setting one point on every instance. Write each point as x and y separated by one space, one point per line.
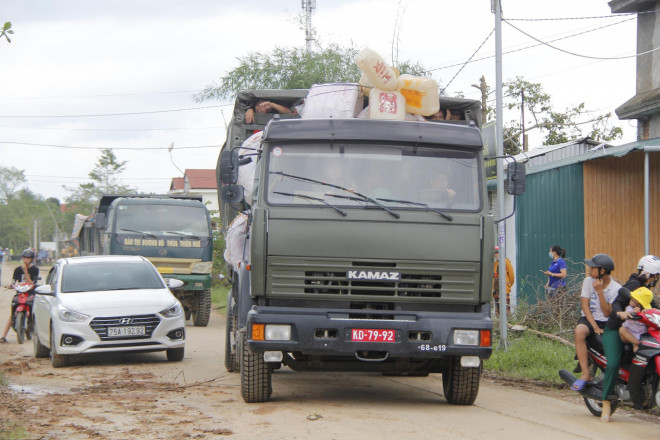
263 106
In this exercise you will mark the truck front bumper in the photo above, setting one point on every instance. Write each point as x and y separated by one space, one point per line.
408 334
191 281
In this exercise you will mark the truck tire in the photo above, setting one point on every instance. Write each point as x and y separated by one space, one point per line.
231 360
40 350
256 383
19 326
460 384
202 312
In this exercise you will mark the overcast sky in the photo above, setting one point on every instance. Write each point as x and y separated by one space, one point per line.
74 63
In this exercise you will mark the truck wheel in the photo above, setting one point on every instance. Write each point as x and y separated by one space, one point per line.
58 360
256 383
202 312
231 360
459 384
175 354
20 327
188 313
40 351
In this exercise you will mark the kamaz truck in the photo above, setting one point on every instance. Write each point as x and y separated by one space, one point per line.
368 247
173 232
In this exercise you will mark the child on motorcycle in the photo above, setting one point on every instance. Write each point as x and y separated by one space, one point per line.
28 272
632 331
648 272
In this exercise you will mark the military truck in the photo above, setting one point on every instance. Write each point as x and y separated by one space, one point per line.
368 247
173 232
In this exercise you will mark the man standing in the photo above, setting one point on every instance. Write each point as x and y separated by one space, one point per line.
26 273
510 278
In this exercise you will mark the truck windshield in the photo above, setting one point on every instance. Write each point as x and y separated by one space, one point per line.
151 219
398 177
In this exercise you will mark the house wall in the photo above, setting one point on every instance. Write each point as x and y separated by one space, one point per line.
614 209
550 212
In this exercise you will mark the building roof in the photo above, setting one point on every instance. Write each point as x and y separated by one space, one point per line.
642 104
626 6
197 179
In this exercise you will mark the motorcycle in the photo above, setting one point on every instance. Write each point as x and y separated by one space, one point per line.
639 373
22 321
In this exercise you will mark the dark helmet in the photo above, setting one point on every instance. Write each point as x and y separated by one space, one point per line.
601 260
27 253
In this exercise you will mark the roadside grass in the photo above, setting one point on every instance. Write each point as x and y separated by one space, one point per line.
531 357
219 296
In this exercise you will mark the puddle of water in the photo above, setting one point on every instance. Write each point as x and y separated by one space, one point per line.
32 390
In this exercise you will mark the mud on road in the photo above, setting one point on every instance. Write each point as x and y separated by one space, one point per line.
124 396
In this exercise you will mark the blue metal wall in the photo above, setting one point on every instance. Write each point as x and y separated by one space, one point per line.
551 212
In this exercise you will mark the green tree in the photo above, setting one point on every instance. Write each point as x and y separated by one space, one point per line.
11 180
6 30
557 126
293 68
104 180
18 215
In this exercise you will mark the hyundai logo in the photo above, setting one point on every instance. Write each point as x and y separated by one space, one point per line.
126 321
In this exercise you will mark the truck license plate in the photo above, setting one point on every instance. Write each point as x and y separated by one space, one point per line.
126 331
372 335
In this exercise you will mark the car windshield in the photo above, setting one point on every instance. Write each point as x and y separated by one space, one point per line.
109 276
151 219
359 175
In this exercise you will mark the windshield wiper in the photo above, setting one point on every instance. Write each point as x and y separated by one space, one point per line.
139 232
363 198
425 205
303 196
360 197
183 234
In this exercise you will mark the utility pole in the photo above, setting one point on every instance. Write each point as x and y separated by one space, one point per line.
483 87
496 7
522 117
308 6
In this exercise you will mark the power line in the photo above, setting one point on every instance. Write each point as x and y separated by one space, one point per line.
112 114
471 56
30 144
583 18
577 54
103 95
113 129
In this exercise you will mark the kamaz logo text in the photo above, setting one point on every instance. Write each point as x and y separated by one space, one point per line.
372 275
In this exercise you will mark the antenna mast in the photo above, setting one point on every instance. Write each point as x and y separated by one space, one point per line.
308 6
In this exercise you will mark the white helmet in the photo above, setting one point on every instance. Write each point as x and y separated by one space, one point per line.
650 264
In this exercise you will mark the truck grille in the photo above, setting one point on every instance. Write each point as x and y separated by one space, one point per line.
446 281
100 326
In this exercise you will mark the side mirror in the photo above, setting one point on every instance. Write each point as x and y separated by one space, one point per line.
515 178
44 290
229 166
99 221
232 194
173 283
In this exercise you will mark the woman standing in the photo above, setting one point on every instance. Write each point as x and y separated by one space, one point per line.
556 272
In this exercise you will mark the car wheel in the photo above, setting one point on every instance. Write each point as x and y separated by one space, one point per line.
58 360
40 351
175 354
20 327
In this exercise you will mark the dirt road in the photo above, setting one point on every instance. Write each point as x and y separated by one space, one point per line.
144 396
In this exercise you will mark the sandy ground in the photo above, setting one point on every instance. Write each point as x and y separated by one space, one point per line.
121 396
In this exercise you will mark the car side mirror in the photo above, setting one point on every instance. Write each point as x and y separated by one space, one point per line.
229 164
173 283
232 194
515 178
99 221
45 290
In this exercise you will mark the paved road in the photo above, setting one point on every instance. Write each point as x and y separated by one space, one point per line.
144 396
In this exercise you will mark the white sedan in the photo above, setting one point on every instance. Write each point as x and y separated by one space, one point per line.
107 303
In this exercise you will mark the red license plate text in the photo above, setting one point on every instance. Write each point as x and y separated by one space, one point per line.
372 335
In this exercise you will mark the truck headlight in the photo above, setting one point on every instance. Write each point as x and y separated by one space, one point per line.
202 267
466 337
67 315
172 311
278 332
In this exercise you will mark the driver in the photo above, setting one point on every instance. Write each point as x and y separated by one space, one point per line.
28 272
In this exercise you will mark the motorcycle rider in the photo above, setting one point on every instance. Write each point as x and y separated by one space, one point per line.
598 292
28 272
648 273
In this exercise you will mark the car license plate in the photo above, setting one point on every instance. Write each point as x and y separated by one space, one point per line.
126 331
372 335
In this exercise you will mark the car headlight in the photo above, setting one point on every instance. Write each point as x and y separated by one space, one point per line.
67 315
202 267
172 311
466 337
